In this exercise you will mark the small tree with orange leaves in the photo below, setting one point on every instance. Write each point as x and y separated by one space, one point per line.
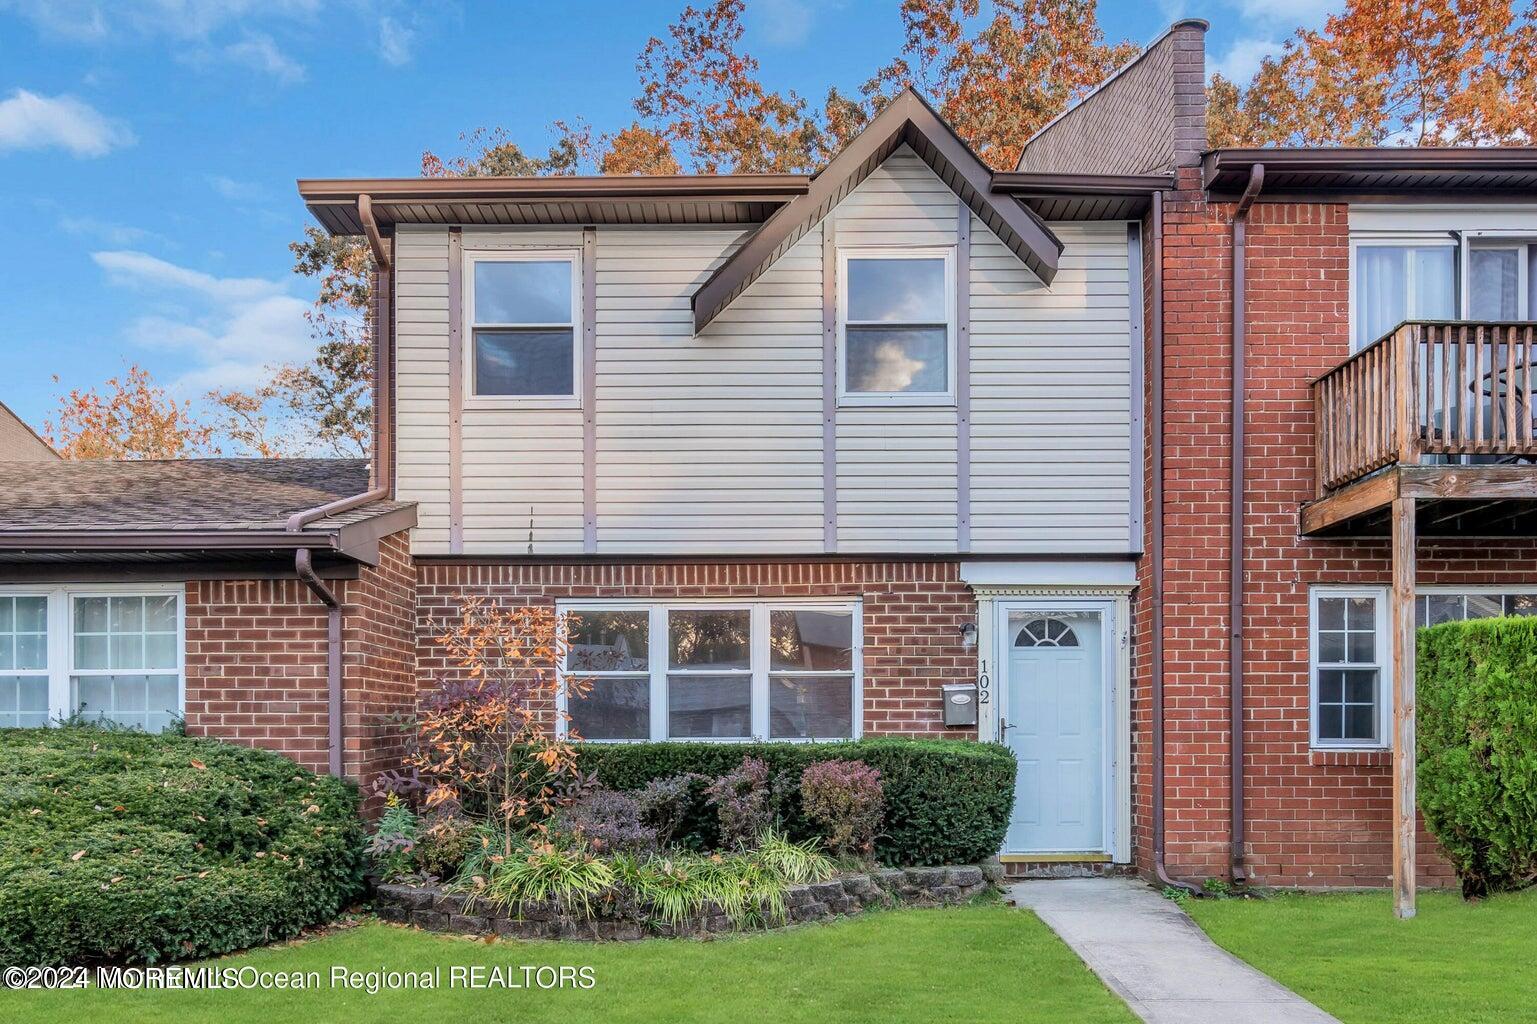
485 741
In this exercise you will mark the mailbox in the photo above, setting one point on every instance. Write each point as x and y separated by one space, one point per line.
960 703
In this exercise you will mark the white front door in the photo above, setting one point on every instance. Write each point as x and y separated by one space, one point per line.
1056 716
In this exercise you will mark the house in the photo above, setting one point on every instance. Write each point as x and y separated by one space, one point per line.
908 446
19 442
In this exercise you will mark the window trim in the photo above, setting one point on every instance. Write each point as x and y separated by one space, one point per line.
470 257
759 673
932 399
61 622
1384 662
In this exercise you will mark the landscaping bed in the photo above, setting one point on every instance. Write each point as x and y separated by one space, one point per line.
437 909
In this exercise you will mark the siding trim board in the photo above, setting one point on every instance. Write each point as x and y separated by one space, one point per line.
1134 297
590 389
829 385
455 389
963 377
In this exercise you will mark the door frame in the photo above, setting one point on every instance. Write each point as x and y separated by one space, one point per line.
1115 667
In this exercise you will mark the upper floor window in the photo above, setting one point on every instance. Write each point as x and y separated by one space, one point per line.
1500 280
523 324
897 316
1398 282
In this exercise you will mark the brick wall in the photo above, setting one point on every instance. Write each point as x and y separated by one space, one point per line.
1313 818
256 663
912 613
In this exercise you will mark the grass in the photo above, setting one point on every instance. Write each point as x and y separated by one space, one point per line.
1455 961
934 966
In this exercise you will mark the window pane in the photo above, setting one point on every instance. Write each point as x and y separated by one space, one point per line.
31 615
24 702
90 614
1360 722
1434 295
147 702
127 614
1331 613
91 652
1443 608
1361 613
127 651
890 360
1531 282
1521 604
813 641
709 707
524 363
160 614
1331 686
1363 648
1492 281
704 639
1485 606
1347 705
903 291
523 292
616 708
1381 291
811 707
609 642
1331 722
1331 648
160 650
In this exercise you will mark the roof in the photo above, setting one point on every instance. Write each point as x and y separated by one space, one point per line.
225 504
905 120
566 199
1148 117
19 442
1386 172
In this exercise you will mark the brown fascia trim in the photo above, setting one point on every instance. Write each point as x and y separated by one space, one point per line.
1037 184
1340 162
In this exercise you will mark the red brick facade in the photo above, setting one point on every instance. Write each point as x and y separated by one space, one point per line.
912 614
257 657
1313 818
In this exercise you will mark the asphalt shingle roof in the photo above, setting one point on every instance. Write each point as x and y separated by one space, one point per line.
193 494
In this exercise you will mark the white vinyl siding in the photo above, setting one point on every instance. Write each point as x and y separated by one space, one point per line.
712 444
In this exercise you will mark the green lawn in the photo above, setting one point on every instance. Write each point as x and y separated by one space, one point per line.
963 965
1455 961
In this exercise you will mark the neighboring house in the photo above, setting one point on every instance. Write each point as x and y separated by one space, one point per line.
19 442
802 452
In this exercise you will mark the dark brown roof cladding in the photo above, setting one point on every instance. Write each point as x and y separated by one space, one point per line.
191 495
1148 117
559 199
906 120
1387 173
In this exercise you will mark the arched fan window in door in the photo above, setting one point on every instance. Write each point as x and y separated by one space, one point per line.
1045 632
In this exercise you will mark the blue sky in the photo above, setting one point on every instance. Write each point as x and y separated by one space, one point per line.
148 148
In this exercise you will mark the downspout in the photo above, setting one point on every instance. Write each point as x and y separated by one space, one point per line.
304 567
1155 429
1235 553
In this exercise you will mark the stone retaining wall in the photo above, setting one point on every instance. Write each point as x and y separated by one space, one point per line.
431 908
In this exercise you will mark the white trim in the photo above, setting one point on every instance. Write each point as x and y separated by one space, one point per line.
1384 665
1115 666
944 399
529 254
61 648
758 671
1049 574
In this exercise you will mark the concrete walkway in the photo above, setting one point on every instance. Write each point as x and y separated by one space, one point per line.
1153 956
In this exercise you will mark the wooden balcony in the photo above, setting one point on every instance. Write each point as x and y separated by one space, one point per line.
1441 412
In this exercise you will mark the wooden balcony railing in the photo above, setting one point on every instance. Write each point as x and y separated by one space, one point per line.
1432 389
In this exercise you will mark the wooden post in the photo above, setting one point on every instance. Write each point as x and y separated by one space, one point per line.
1403 707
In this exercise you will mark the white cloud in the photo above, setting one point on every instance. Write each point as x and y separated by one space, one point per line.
782 22
111 20
256 51
31 121
1287 13
395 41
234 328
1243 58
109 232
237 191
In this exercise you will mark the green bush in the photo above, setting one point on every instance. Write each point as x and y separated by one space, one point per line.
947 801
1477 748
120 846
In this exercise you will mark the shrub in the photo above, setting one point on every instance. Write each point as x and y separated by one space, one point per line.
120 846
843 798
1477 748
668 804
947 801
605 821
741 801
392 847
743 886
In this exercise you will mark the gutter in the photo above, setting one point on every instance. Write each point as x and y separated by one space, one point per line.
1236 532
1160 872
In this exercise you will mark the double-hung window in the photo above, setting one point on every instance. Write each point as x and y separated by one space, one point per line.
523 325
897 323
774 670
1350 705
103 653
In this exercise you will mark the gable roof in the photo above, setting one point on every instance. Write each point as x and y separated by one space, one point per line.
203 504
906 120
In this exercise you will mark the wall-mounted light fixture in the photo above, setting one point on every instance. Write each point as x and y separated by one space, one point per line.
969 635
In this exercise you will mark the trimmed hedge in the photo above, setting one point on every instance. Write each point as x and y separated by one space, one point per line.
1477 748
947 801
125 847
